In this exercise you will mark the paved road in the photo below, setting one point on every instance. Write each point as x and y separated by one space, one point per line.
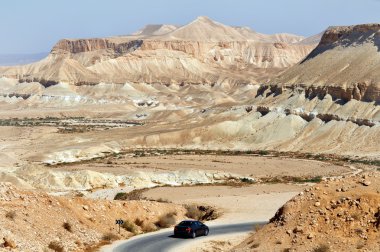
164 241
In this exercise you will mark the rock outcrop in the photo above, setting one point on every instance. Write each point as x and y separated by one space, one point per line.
345 65
336 215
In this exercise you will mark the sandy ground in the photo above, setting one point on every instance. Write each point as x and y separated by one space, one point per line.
254 166
237 204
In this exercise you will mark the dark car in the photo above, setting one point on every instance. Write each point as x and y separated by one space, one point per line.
190 228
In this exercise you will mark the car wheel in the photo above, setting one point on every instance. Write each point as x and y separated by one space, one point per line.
206 232
193 235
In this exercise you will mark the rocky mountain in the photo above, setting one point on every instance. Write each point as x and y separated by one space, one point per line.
345 65
203 51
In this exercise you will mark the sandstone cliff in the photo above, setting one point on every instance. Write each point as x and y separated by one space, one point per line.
345 65
203 51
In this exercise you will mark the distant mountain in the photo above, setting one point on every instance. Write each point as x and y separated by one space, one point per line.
20 59
155 30
201 52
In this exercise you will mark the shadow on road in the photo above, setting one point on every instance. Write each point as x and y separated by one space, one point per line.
178 237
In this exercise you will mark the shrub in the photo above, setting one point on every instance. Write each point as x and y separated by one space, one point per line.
321 248
56 246
255 245
247 180
166 220
109 237
139 222
263 152
193 212
163 200
133 195
10 215
130 227
120 196
66 225
148 227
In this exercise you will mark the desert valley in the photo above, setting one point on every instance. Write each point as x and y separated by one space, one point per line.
202 121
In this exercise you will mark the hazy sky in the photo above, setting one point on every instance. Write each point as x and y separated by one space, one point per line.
30 26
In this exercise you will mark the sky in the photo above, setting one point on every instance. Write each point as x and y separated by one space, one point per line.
33 26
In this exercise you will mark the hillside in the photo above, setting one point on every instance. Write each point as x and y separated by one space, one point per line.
71 224
201 52
345 65
337 215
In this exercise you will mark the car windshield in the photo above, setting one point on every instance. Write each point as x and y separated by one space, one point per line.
185 223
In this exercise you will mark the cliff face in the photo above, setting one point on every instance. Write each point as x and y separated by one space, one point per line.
337 34
203 51
90 45
345 65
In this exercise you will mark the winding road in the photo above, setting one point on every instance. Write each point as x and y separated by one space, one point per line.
164 241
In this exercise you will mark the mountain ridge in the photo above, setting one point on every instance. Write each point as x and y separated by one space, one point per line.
203 51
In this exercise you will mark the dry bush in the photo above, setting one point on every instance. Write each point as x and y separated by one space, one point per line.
377 216
162 200
148 227
201 213
10 215
56 246
67 225
193 212
79 194
322 248
109 237
255 245
139 222
130 227
166 220
133 195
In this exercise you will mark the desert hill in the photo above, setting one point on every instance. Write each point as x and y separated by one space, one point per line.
201 52
337 215
345 65
155 30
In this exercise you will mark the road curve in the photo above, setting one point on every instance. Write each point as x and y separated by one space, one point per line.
164 241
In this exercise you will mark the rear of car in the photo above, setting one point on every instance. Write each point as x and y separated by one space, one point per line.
191 229
184 229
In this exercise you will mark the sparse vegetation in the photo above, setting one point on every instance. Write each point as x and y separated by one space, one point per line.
193 212
67 226
133 195
201 213
139 222
10 215
322 248
263 153
130 227
247 180
148 227
288 179
166 220
162 200
109 237
248 109
255 245
56 246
